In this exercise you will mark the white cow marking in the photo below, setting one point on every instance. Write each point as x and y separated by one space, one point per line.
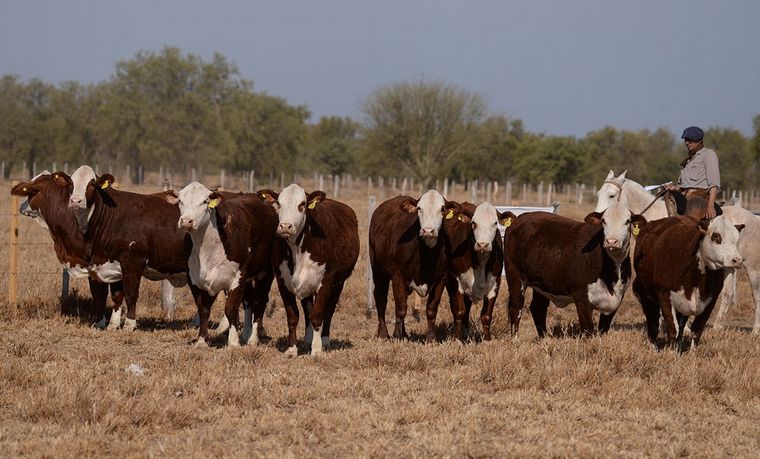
600 297
233 340
108 273
130 325
115 322
689 306
307 274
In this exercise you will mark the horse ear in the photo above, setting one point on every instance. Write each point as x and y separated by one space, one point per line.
610 175
622 176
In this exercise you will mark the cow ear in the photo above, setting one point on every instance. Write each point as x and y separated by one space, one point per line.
409 205
315 197
637 223
506 218
104 181
450 210
25 189
594 218
62 179
703 225
214 199
268 196
171 197
739 228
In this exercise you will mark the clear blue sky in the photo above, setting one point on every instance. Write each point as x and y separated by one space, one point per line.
564 67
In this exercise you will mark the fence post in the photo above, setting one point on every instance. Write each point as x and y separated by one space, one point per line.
445 187
221 179
2 172
13 278
370 282
250 181
508 192
336 185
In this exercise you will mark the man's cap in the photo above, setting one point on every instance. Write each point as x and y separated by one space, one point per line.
693 133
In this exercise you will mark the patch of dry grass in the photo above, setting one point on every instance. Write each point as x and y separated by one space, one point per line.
66 391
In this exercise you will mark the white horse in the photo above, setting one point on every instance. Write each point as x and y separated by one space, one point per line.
636 198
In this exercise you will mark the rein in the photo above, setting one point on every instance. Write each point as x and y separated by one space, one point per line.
657 196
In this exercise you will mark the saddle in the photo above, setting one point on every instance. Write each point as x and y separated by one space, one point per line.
691 202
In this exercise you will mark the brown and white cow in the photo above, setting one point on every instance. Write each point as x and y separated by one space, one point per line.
680 266
233 236
131 235
316 252
47 197
475 253
565 261
407 250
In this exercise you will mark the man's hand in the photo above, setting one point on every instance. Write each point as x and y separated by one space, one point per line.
711 212
672 187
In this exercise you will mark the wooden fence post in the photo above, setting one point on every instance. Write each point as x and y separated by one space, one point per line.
13 278
508 192
370 282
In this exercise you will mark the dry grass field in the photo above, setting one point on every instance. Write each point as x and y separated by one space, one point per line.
66 390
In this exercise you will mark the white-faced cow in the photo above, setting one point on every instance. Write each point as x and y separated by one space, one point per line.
475 253
131 235
233 236
407 250
316 251
565 261
680 266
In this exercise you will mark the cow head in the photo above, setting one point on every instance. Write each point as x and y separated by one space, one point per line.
616 225
195 206
45 194
292 205
81 178
485 222
456 222
718 248
430 211
610 191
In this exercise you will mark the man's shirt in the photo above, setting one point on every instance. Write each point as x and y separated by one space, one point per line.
701 171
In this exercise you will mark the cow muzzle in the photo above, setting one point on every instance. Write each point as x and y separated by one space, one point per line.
736 262
76 203
286 230
429 235
482 247
186 224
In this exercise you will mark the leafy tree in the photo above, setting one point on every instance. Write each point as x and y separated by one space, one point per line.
734 155
333 145
423 127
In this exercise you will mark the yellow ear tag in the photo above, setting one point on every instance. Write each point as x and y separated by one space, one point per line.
508 223
461 219
313 204
105 185
450 215
636 229
264 196
213 203
24 189
55 176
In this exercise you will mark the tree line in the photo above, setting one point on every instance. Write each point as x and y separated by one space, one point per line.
175 110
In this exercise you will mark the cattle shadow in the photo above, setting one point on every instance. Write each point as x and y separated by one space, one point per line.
80 307
281 344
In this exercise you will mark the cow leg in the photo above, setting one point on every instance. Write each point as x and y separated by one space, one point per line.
231 309
380 294
332 305
460 306
433 300
291 309
203 301
99 293
605 321
699 322
168 303
651 311
319 306
400 294
727 298
516 298
486 316
754 281
669 317
255 300
539 305
131 278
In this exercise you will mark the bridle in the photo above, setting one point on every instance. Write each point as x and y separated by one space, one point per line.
660 194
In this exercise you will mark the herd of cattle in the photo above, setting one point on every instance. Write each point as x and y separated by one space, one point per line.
240 242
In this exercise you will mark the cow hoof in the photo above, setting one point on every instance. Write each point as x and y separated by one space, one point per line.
291 352
223 326
130 325
316 350
102 324
200 342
